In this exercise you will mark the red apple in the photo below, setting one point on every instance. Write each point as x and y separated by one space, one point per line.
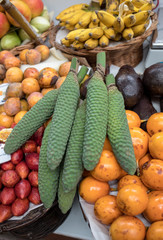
7 166
29 147
38 135
5 212
32 160
8 196
4 24
17 156
22 189
36 7
34 196
19 206
33 178
10 178
22 169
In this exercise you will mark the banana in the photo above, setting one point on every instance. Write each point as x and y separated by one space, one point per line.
65 42
141 17
71 35
93 25
62 24
118 24
75 19
103 41
113 6
68 16
139 3
77 26
129 20
85 19
102 25
139 29
77 45
118 37
94 18
91 43
146 7
128 33
110 33
96 33
106 18
69 27
84 35
72 8
131 6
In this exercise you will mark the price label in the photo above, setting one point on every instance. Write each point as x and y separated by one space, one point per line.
3 88
3 156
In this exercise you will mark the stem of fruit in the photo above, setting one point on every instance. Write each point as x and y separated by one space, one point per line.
74 65
94 5
101 63
82 73
14 12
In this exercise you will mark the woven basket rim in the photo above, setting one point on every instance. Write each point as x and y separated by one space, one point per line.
134 43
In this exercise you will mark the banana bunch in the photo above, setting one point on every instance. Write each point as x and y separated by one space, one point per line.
90 28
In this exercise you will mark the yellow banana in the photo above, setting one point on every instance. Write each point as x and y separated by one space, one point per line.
118 24
102 25
103 41
106 18
118 37
110 33
113 6
77 26
129 20
139 29
141 17
94 18
128 33
85 19
75 19
71 9
96 32
146 7
71 35
62 24
84 35
68 16
131 6
65 42
69 27
93 25
77 45
91 43
139 3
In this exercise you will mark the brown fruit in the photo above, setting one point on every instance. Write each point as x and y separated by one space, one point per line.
22 56
33 178
24 105
8 196
5 54
10 178
5 213
33 57
47 77
32 160
152 174
17 156
7 166
34 196
44 51
31 72
2 72
154 209
12 62
64 69
14 90
60 82
30 85
22 169
29 147
12 106
14 74
22 189
19 206
33 98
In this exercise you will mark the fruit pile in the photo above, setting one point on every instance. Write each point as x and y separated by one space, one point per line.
19 178
11 35
26 88
90 27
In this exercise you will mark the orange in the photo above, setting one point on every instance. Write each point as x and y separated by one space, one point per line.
127 228
30 85
106 210
107 145
19 116
140 142
155 123
5 120
144 159
33 98
155 231
14 74
46 90
91 189
64 69
22 56
154 209
156 145
133 119
132 199
107 169
60 82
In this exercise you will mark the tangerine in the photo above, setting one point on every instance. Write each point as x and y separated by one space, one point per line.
133 119
107 145
5 120
91 189
155 123
64 69
30 85
144 159
155 231
14 74
19 116
156 145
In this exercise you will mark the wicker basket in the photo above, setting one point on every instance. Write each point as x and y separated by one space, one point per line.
47 37
128 52
36 224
